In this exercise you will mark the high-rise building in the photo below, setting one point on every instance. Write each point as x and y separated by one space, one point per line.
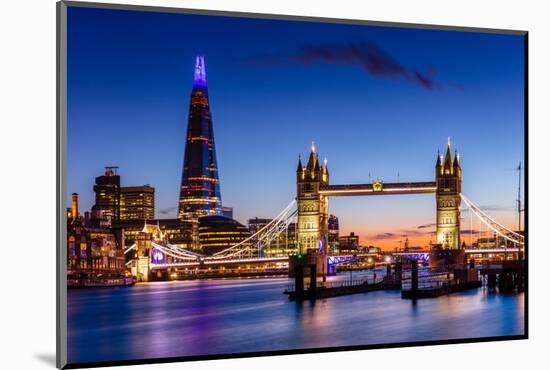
333 234
107 195
227 212
137 202
200 185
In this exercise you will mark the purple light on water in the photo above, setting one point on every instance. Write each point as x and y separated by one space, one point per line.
199 79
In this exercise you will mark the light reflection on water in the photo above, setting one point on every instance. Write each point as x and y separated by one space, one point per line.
167 319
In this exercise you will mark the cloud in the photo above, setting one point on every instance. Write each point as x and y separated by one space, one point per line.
168 210
471 232
401 234
426 226
371 58
385 236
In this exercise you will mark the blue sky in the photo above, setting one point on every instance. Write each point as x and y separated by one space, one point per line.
374 99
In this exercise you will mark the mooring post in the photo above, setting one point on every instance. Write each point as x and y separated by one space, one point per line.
398 272
414 275
299 280
313 279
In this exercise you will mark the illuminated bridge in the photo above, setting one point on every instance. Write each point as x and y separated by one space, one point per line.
309 211
250 250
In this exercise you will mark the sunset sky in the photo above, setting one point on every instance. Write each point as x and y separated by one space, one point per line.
376 101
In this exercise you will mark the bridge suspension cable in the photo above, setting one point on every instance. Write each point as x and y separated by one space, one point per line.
501 230
253 244
180 253
132 247
261 238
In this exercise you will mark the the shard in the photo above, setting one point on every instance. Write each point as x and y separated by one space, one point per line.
200 184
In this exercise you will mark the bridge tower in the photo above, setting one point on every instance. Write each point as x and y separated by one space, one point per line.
141 268
448 177
312 227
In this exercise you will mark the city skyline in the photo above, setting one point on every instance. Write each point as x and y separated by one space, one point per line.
279 86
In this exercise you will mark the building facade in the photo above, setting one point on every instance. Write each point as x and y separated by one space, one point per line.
448 176
200 185
349 243
333 234
107 195
217 233
92 251
227 212
137 203
183 234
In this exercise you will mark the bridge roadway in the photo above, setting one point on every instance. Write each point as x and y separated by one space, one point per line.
243 261
467 251
284 259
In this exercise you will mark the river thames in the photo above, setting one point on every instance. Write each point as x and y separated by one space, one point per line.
204 317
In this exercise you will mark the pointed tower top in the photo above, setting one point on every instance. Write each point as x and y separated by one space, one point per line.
317 167
438 163
448 164
448 141
325 168
312 160
300 167
199 79
457 159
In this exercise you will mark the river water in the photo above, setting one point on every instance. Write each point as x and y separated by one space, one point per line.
186 318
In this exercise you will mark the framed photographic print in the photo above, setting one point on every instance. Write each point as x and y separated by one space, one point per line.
236 185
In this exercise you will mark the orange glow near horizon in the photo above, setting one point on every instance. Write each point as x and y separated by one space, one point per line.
390 238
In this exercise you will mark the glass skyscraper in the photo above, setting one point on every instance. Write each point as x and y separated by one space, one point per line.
200 185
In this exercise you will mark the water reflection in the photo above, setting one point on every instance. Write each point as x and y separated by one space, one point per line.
227 316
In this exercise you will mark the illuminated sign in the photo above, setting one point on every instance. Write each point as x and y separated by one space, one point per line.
377 185
158 256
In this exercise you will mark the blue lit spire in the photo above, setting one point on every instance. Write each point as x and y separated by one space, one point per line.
199 80
200 184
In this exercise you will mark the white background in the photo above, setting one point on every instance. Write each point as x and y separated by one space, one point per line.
28 178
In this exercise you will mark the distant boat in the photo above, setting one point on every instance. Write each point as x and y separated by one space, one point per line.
85 280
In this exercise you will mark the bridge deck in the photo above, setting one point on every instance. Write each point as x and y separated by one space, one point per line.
375 189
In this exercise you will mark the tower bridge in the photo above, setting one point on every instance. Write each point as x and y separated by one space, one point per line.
314 191
309 210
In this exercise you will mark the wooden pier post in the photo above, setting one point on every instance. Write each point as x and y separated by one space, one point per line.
414 275
313 279
299 280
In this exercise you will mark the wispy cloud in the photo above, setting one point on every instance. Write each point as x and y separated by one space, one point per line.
471 232
426 226
385 236
371 58
168 210
401 234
